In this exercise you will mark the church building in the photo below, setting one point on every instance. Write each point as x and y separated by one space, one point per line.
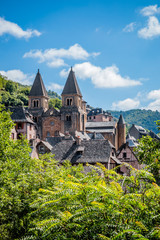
71 118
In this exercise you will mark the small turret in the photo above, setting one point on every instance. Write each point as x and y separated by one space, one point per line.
121 127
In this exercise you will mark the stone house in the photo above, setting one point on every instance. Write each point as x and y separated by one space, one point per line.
98 115
138 132
126 154
24 123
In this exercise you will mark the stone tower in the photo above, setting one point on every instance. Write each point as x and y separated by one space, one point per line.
38 97
121 127
73 111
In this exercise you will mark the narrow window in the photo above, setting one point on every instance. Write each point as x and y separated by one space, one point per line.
48 134
124 155
69 101
52 123
68 118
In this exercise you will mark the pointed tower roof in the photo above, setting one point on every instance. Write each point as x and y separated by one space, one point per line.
71 86
38 88
121 120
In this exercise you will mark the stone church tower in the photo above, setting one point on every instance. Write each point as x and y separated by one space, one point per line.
38 97
38 102
73 111
121 127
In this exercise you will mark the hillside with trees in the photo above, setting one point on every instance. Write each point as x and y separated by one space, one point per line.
144 118
16 94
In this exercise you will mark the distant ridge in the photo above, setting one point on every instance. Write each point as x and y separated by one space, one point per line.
144 118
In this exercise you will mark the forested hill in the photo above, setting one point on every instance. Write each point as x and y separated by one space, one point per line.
144 118
16 94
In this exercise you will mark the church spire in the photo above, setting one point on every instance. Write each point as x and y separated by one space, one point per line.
38 88
71 86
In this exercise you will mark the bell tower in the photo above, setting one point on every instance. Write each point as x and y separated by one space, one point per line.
73 111
38 97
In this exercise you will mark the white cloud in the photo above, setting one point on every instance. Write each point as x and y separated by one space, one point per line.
130 27
18 76
55 87
56 63
155 105
13 29
154 95
150 10
54 57
151 30
108 77
126 104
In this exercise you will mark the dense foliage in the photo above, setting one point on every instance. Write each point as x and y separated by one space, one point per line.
148 153
12 93
41 200
15 94
144 118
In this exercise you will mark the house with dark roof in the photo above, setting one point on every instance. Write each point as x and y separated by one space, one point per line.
98 115
138 132
24 123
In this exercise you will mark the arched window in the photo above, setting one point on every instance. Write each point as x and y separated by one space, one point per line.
36 103
69 101
68 118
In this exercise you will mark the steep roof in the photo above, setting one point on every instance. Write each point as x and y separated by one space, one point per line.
93 151
38 88
20 114
71 86
121 120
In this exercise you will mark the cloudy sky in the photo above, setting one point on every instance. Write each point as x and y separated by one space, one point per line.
113 46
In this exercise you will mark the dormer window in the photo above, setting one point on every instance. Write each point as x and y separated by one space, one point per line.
69 101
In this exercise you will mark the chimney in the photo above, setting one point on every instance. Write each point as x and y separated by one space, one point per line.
78 141
94 135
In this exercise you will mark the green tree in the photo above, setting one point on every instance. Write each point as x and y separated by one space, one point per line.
55 102
89 206
11 87
148 153
20 179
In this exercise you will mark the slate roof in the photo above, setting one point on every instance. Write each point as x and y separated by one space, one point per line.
140 129
38 88
51 112
154 135
46 144
121 120
53 140
97 111
71 86
109 124
20 114
96 135
94 151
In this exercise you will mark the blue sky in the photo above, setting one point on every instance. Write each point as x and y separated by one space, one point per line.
113 47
